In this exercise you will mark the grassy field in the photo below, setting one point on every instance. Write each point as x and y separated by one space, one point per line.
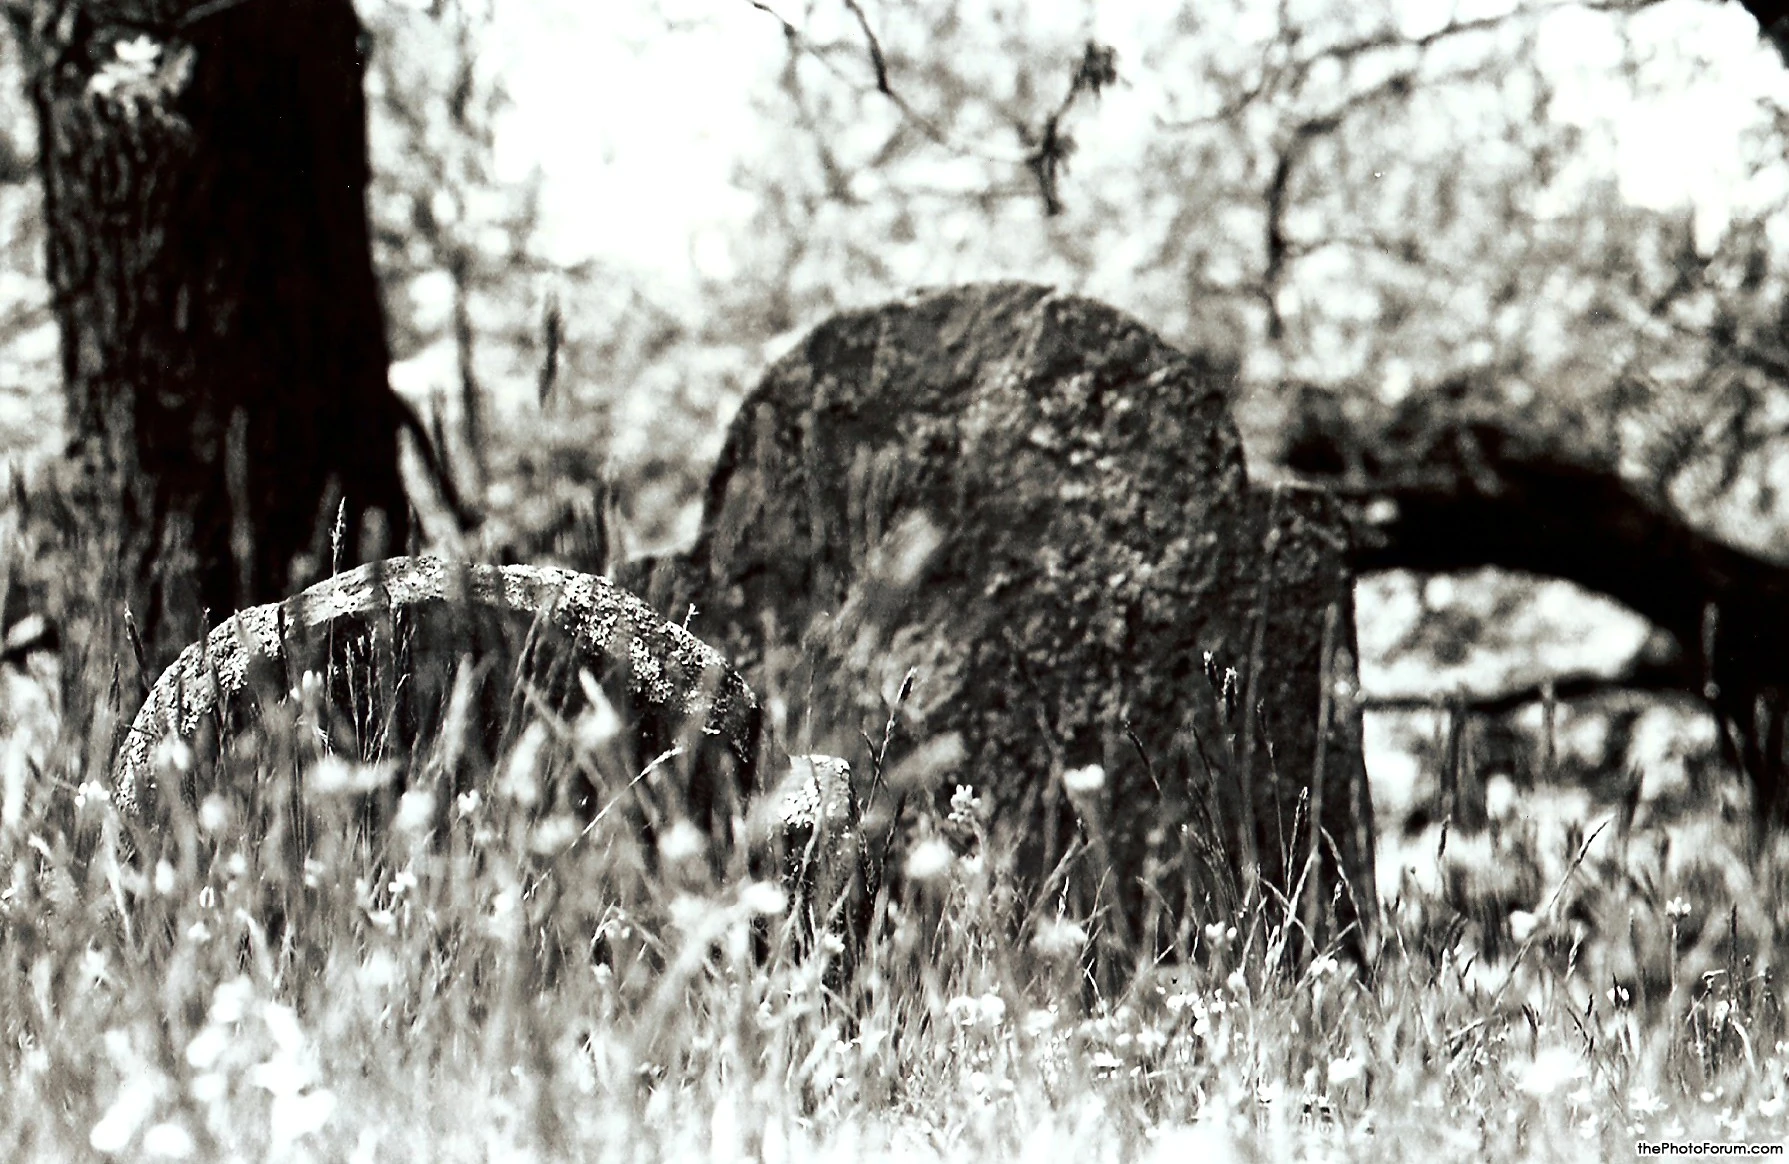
260 977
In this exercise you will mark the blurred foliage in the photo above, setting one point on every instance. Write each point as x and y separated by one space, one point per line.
1372 198
30 407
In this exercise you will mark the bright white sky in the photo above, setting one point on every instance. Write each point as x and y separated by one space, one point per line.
637 129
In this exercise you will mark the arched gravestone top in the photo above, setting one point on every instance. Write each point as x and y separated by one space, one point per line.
1040 508
409 622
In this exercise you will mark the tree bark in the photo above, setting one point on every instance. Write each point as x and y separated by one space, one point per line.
205 174
1446 484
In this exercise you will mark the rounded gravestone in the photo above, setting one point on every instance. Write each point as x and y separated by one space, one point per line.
1040 509
387 650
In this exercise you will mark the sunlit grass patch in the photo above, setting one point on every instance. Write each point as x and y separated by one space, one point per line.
378 955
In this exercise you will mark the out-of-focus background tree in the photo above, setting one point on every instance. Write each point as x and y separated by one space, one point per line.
595 225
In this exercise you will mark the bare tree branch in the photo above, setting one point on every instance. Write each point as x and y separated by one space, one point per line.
802 43
1446 484
875 47
1047 148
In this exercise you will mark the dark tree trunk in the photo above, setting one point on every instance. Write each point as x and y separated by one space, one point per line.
205 175
1449 484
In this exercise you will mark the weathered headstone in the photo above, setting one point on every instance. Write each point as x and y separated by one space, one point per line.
387 642
384 647
1040 509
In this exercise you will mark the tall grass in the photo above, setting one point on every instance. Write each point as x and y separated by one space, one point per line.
259 974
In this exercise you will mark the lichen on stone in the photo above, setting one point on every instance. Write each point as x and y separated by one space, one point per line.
1094 533
666 664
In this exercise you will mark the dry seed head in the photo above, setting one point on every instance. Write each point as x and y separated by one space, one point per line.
928 861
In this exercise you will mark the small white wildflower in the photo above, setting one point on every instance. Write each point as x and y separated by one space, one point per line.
93 966
1643 1101
976 1010
416 811
1345 1070
165 880
683 841
929 860
379 971
1058 938
209 1087
1677 908
466 803
1084 781
207 1047
299 1114
1770 1108
554 835
1105 1063
401 882
1381 511
171 754
91 791
521 782
214 814
965 806
1522 924
168 1141
599 723
142 51
1040 1022
764 899
1550 1070
334 776
691 913
121 1121
1324 966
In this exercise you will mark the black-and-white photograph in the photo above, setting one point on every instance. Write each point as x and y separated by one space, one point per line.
893 580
